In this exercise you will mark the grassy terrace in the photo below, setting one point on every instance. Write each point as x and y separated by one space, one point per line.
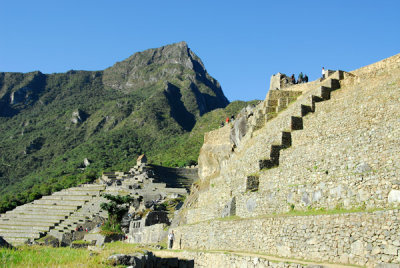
40 256
308 212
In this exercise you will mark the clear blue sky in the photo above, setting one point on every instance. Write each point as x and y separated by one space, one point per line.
242 43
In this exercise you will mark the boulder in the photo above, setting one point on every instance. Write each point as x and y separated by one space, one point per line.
78 116
241 125
99 239
86 162
49 240
136 260
217 148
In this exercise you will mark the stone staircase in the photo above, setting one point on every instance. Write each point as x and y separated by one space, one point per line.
87 212
277 101
259 149
322 93
35 219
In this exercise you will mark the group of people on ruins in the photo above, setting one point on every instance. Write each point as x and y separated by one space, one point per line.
301 78
81 229
227 120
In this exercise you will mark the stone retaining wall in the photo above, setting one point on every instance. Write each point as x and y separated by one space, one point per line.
213 259
347 154
148 234
356 238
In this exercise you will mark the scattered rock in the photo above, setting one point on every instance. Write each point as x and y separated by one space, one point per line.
86 162
49 240
78 116
147 259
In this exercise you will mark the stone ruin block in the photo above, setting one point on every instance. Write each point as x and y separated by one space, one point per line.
230 208
252 183
279 81
141 160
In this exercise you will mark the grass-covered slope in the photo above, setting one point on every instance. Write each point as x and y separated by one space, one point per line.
156 102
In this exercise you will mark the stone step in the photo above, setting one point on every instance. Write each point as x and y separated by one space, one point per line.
49 207
90 189
34 217
70 224
66 231
21 234
325 93
270 109
276 94
38 212
16 241
65 226
6 231
78 192
78 217
270 116
339 75
286 139
176 190
296 123
306 109
331 83
27 228
272 102
67 197
43 219
17 222
59 202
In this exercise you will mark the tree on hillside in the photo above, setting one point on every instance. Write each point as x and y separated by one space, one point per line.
116 208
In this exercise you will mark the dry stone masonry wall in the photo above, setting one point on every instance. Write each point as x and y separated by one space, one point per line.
332 161
356 238
328 150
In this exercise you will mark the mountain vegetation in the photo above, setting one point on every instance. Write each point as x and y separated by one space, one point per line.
59 130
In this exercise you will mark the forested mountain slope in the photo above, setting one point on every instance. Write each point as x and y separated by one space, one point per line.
148 103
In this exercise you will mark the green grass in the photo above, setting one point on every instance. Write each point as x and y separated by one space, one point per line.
294 212
229 218
81 242
41 256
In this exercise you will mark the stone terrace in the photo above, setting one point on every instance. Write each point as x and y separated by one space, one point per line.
33 220
86 213
327 150
259 149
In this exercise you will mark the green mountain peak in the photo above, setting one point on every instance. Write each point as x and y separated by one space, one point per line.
148 103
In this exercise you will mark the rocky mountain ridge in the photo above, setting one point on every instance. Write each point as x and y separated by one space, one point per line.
51 123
